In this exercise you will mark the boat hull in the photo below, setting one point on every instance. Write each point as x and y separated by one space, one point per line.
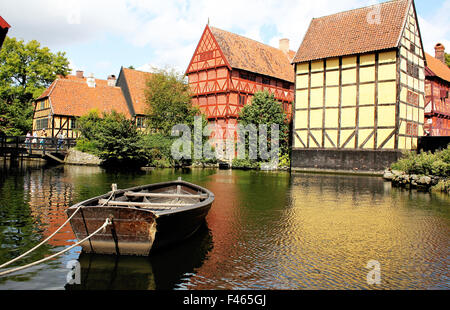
133 230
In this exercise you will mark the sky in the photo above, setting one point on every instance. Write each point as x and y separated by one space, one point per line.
100 36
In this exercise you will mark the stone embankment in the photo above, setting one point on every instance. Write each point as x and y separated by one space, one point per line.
420 182
75 157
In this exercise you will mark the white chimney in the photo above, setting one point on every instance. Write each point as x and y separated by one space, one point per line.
284 45
112 80
91 80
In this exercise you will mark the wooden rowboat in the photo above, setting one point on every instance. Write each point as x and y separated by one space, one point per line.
142 218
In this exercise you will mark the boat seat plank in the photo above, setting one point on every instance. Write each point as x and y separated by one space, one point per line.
166 195
143 204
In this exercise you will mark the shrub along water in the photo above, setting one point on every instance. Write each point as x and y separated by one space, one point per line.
436 166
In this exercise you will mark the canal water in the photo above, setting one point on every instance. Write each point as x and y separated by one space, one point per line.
265 230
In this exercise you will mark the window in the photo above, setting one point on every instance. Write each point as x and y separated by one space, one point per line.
412 98
206 55
73 123
413 70
140 122
242 99
286 85
412 48
41 123
243 75
266 81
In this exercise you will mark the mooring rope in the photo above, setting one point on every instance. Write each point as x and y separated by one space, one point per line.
114 189
107 222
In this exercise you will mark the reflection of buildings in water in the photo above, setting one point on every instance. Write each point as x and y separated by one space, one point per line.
336 224
49 195
238 224
165 269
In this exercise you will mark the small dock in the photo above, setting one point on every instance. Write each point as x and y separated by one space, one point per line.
50 149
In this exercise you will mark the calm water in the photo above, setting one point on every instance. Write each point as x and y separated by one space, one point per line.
265 230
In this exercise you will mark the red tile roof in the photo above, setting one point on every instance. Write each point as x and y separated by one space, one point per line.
350 32
72 96
3 23
437 68
247 54
137 83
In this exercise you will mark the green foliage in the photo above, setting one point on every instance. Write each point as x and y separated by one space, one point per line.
447 59
87 146
15 117
245 163
425 163
158 149
442 186
114 138
168 101
264 109
26 70
284 161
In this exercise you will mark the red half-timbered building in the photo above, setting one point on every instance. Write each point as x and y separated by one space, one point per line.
437 97
4 27
227 69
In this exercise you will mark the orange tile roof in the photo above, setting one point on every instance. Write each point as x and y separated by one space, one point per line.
247 54
349 32
137 83
72 96
437 67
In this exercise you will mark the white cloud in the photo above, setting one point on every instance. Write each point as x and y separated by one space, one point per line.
436 30
170 29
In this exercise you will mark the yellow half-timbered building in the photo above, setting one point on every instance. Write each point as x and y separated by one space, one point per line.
70 97
359 97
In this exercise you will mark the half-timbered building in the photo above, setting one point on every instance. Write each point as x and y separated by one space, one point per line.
437 88
133 84
227 69
4 27
359 88
70 97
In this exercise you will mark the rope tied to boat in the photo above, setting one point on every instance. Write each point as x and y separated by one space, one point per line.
101 228
114 190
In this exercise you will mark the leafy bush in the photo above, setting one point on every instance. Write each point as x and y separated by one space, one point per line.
425 163
245 163
86 146
113 138
158 149
442 186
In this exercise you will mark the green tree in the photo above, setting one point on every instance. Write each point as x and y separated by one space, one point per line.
26 70
112 137
447 59
168 101
264 109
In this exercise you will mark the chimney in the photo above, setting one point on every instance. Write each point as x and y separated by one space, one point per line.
91 80
439 52
284 45
112 80
79 74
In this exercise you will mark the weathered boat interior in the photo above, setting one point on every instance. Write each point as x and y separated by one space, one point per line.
156 199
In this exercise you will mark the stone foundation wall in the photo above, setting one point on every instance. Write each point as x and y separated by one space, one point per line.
344 160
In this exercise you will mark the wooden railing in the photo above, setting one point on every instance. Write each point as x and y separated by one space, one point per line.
20 144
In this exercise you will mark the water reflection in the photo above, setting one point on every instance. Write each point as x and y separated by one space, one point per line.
162 271
265 230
